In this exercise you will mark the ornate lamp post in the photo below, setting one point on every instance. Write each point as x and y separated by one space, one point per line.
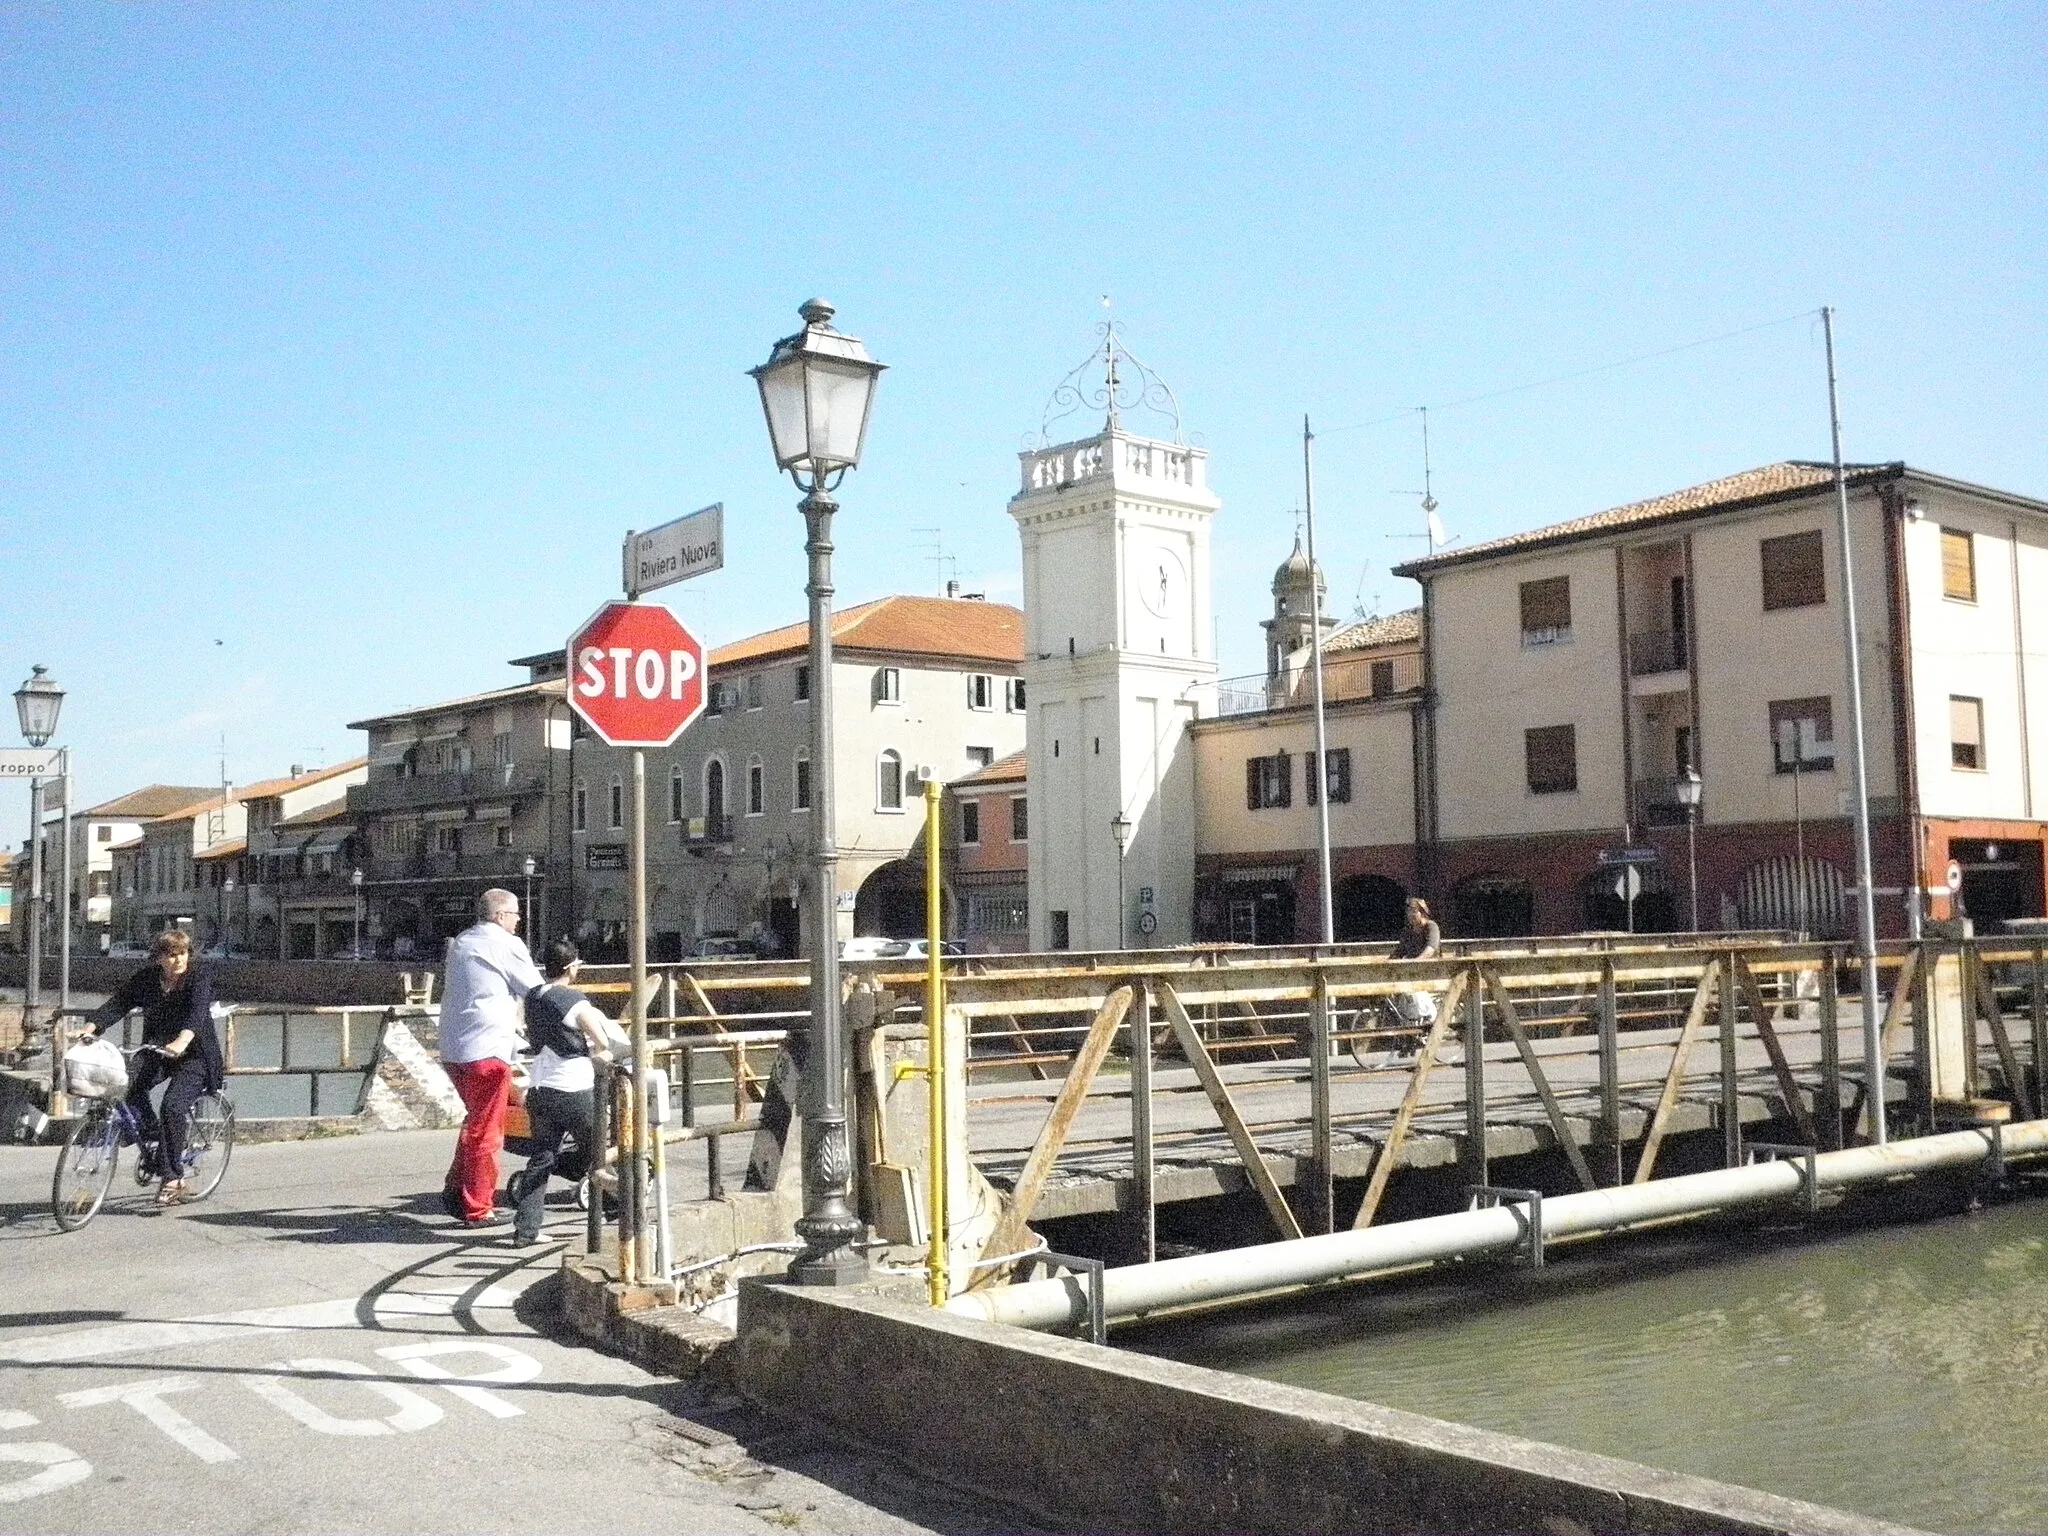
355 883
533 930
1687 793
816 389
37 703
227 916
1120 829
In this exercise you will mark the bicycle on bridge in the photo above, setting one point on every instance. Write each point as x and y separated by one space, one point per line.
91 1154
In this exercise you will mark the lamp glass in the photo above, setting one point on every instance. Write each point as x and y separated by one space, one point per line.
38 702
836 395
1687 790
781 380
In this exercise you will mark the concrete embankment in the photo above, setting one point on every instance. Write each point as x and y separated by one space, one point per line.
1091 1438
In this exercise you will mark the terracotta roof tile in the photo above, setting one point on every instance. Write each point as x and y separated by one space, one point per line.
948 627
263 789
1770 483
320 815
147 804
233 847
207 799
1380 629
554 686
1004 770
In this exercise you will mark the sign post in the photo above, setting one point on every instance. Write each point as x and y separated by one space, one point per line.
636 676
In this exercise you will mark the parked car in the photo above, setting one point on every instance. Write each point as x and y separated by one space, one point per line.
722 946
875 948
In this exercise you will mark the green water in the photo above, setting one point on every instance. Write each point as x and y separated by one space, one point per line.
1899 1372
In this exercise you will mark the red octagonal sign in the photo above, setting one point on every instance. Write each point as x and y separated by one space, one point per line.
636 675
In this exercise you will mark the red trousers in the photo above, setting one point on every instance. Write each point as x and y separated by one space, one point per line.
474 1173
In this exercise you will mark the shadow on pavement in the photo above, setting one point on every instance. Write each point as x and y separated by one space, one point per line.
57 1319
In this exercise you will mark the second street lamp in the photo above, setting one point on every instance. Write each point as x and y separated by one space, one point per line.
1687 793
816 389
1120 829
37 703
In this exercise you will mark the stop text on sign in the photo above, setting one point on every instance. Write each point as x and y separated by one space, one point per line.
636 675
649 670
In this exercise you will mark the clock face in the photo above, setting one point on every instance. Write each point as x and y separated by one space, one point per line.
1161 579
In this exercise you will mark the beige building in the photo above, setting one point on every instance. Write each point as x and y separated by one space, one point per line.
95 832
291 897
923 688
459 797
1576 670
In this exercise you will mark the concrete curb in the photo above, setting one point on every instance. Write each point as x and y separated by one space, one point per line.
643 1322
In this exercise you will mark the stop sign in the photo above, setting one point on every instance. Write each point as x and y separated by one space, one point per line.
636 675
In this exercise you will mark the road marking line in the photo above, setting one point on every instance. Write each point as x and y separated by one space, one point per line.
128 1338
147 1399
413 1412
61 1468
423 1360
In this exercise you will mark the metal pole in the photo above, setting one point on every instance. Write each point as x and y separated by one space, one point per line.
1866 904
34 999
828 1225
1120 902
1321 766
64 943
636 943
939 1166
1692 861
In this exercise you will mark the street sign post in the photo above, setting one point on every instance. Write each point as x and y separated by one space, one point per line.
636 676
676 551
28 762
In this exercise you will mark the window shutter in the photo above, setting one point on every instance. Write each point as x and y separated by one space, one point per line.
1339 776
1794 571
1547 605
1552 758
1309 778
1252 766
1283 768
1958 565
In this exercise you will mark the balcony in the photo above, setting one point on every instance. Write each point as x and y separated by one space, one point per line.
1344 678
391 793
488 864
1656 801
1654 651
704 833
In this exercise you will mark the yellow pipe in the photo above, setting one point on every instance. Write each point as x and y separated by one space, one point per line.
935 1043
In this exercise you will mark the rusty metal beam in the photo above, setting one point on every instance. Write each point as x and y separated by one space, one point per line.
1767 1032
1695 1016
1052 1136
1383 1164
1987 1004
1226 1110
1559 1127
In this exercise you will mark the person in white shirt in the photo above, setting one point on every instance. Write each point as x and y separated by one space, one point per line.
570 1035
489 976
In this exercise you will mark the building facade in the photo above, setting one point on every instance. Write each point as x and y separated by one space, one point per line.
988 862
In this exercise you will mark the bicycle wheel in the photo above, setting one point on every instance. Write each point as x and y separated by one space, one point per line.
85 1167
209 1143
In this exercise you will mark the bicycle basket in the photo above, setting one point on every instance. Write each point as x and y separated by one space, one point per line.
94 1069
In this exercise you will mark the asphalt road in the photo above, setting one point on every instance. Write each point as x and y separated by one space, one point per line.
317 1349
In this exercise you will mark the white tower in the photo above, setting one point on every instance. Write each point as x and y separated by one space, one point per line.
1117 661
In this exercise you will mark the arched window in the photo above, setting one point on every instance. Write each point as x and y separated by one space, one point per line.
757 787
889 781
800 780
675 792
714 790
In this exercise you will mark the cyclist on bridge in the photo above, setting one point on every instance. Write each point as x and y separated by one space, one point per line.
176 999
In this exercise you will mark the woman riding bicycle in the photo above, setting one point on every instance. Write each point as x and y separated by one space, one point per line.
176 999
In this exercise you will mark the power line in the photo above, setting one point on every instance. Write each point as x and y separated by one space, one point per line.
1566 378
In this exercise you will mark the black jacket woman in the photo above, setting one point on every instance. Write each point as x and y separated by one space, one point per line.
176 1000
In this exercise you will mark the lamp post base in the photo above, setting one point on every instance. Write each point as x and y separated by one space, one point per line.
840 1266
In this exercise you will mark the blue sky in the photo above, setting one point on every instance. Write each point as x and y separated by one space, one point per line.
339 346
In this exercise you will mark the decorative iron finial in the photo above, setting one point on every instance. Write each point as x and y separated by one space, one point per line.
1114 395
816 312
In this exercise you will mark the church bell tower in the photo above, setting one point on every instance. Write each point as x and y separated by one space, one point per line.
1118 661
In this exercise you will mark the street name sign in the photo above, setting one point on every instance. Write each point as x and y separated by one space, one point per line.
636 675
28 762
676 551
1612 856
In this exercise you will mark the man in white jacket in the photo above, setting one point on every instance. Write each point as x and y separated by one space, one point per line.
489 974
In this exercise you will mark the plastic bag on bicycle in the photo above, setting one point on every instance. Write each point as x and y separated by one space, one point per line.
95 1069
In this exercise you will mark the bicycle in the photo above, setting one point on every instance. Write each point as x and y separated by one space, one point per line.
91 1153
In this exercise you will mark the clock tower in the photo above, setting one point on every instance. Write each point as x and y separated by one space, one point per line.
1117 661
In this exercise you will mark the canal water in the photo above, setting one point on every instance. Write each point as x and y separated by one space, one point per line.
1899 1371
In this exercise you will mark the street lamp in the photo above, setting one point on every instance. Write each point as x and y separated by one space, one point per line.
355 881
816 389
1120 829
37 703
227 916
532 929
1687 793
